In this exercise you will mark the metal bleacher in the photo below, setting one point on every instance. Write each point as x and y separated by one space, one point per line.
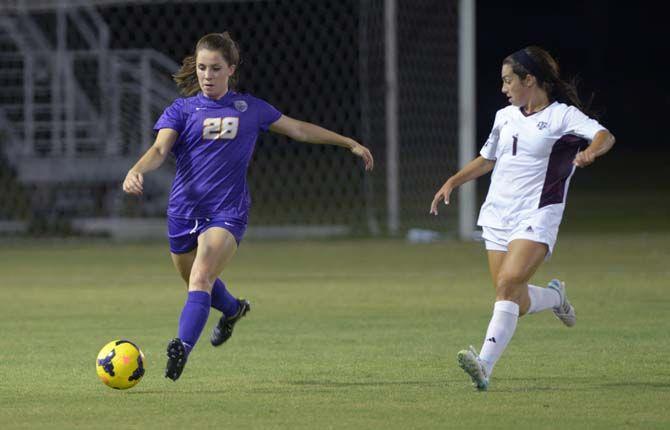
75 114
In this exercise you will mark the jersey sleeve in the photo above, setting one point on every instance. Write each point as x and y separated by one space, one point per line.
267 114
173 117
578 124
490 147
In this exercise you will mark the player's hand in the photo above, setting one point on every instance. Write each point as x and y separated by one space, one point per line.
442 194
133 184
584 158
365 154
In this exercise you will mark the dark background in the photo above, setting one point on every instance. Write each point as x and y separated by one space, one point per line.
618 49
300 55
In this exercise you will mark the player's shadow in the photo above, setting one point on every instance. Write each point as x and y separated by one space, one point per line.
311 385
502 385
636 384
545 384
176 393
561 383
344 384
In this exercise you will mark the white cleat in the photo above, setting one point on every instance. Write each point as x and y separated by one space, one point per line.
565 311
469 361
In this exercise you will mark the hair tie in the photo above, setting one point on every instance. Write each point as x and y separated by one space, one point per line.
522 57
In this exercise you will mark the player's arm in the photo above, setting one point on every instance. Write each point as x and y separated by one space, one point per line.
601 144
474 169
151 160
302 131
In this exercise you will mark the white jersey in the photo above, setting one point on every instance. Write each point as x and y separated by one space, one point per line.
533 156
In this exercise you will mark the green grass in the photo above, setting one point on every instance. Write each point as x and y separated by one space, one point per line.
348 334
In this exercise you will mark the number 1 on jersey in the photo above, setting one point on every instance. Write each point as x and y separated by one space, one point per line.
515 138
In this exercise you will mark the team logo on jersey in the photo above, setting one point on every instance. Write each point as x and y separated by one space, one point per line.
241 105
542 125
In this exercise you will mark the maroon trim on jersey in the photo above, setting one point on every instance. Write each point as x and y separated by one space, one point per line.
524 113
560 168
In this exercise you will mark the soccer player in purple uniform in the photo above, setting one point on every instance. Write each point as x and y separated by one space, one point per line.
212 133
535 146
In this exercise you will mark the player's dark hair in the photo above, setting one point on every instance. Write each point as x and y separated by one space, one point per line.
544 67
187 78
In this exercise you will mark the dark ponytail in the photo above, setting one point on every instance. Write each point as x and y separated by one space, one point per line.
539 63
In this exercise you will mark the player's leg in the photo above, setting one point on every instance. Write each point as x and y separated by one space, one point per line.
183 263
539 298
216 246
495 258
519 264
468 359
496 241
183 239
232 309
221 299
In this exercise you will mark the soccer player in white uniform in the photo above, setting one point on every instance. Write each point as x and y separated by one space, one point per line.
534 148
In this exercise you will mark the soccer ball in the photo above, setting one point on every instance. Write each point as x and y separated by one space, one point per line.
120 364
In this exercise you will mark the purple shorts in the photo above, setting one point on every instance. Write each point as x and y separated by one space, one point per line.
183 233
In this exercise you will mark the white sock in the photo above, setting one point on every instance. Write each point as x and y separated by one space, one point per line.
500 331
542 299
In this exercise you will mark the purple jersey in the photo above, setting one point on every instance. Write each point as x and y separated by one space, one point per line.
215 143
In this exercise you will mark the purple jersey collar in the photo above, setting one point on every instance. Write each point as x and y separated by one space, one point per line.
220 102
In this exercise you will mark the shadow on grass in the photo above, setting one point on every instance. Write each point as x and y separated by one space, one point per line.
338 384
177 392
502 385
572 384
637 384
311 385
544 384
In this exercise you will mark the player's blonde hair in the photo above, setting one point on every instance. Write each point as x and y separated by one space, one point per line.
187 78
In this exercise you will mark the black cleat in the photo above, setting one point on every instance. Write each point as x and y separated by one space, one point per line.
224 329
176 352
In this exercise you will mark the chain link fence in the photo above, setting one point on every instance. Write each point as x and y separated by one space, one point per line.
319 61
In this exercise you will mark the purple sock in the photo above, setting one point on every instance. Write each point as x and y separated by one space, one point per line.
222 300
193 318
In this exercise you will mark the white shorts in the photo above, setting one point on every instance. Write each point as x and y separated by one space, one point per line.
497 239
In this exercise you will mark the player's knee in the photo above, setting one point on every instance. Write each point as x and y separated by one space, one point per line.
200 281
509 286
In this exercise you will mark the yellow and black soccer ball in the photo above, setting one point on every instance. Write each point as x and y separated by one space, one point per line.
120 364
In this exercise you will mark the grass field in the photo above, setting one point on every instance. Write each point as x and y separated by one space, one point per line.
347 334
